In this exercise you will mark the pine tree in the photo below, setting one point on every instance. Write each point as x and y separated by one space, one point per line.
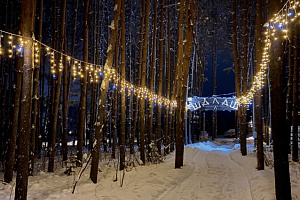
258 97
104 90
277 72
160 74
243 118
82 106
26 28
143 83
295 94
123 106
151 80
57 90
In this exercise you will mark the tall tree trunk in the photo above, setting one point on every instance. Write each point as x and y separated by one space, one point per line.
123 106
64 142
188 46
35 100
138 79
295 95
14 121
115 106
151 80
168 124
289 108
243 118
179 120
214 66
52 98
236 62
104 90
95 82
64 148
57 91
277 73
160 74
26 29
143 83
258 97
82 107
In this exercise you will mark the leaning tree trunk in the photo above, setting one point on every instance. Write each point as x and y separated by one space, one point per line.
160 74
82 107
104 90
57 91
295 95
123 106
277 76
26 29
143 84
258 97
243 118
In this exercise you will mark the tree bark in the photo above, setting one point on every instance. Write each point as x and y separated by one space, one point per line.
160 74
168 124
138 80
214 66
104 90
295 156
26 29
123 106
82 107
243 118
258 95
143 84
57 92
289 108
35 100
179 120
277 73
151 80
236 62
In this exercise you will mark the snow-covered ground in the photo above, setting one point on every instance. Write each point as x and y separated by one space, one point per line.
210 171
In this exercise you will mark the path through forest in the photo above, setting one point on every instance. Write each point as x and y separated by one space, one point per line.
210 172
214 176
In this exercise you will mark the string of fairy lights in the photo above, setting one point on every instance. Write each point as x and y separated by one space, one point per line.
15 45
287 15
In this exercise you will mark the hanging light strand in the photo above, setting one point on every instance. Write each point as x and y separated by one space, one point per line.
95 72
288 13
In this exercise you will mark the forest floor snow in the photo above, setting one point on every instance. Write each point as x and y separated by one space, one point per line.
210 171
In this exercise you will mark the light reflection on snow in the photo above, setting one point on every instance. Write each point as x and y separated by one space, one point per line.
210 146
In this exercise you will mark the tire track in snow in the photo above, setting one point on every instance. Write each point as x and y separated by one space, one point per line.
215 176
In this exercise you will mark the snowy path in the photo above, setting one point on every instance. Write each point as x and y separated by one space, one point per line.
210 172
215 176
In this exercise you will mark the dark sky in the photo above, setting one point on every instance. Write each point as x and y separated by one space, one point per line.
225 81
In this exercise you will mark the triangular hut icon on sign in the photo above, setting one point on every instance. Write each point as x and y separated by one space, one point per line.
205 102
215 100
225 102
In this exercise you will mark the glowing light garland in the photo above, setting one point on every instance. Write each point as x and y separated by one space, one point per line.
288 13
94 71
